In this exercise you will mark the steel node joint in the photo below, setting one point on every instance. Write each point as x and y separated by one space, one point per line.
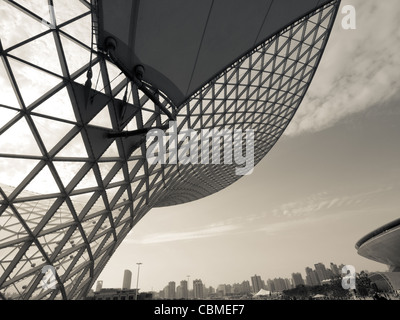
136 76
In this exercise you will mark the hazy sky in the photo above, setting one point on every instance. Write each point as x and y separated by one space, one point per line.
332 178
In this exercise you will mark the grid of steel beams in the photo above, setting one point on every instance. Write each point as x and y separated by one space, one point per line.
69 194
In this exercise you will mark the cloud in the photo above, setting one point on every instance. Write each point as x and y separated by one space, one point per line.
359 68
280 227
205 232
323 202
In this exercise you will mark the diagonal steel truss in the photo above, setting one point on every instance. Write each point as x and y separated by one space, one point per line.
69 194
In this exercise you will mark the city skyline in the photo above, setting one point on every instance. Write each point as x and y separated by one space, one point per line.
171 289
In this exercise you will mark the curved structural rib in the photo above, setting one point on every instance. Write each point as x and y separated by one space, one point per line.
75 183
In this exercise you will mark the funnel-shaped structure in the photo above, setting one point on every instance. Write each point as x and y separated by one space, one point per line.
83 82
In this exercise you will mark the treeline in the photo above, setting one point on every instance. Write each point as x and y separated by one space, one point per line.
333 289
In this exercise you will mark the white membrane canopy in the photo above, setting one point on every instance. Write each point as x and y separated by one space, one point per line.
183 44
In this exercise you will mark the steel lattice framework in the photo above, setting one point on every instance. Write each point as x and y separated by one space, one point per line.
69 193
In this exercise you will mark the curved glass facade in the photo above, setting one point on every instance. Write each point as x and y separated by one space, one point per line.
72 186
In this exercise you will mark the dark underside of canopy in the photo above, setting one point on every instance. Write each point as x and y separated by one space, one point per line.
183 44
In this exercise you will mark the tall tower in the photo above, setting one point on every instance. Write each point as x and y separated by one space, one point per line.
335 269
198 289
297 279
99 285
126 283
184 288
171 290
311 277
256 283
321 271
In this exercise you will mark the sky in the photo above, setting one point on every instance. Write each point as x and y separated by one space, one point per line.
332 177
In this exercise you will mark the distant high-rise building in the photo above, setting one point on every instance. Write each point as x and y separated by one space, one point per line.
171 290
185 291
126 283
205 291
198 290
221 290
257 283
236 288
228 289
179 292
297 279
321 272
99 285
246 288
335 269
279 284
271 285
165 291
288 283
329 274
311 277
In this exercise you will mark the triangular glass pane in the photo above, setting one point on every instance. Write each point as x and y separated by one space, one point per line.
61 215
6 115
16 19
116 213
98 86
97 207
51 131
76 55
57 106
83 258
105 168
112 151
50 242
95 244
75 148
11 228
146 116
8 97
30 260
41 52
89 225
33 211
88 181
132 164
14 171
134 185
33 83
43 183
119 177
80 29
123 228
124 197
102 119
80 201
7 255
18 139
67 10
111 193
116 76
22 285
67 170
39 7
